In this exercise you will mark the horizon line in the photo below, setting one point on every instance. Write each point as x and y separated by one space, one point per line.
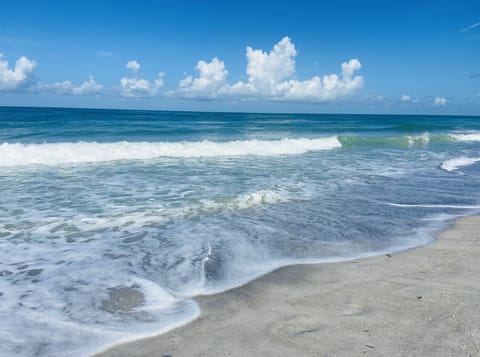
233 112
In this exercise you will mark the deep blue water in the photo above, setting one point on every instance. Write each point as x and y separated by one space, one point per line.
168 205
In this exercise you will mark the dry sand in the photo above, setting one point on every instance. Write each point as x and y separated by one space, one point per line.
423 302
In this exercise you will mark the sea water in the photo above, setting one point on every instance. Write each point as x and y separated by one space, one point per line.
111 222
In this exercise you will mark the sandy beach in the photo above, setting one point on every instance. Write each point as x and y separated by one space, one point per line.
422 302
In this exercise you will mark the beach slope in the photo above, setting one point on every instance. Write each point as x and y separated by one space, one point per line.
422 302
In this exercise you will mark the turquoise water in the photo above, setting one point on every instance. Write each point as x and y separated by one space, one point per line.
170 205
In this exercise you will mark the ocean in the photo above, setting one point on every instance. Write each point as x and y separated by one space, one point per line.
112 221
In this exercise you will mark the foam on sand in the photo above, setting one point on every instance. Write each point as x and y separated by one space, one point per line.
365 306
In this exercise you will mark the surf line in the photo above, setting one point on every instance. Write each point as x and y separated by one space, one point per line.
431 206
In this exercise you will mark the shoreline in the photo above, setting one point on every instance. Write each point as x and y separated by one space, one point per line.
420 301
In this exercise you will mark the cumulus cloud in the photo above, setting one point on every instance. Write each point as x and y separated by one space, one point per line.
210 83
440 102
270 75
321 89
89 87
15 78
133 66
266 70
405 98
139 87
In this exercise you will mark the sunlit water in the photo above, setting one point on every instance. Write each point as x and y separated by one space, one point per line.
111 221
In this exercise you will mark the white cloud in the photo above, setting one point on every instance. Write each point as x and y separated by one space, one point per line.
139 87
90 87
210 83
266 70
371 99
328 88
405 98
270 75
440 102
133 66
13 79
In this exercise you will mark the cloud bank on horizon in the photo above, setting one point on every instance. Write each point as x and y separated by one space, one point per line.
440 102
90 87
135 86
270 75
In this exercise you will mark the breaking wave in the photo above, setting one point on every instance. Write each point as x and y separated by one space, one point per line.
83 152
466 137
21 154
395 141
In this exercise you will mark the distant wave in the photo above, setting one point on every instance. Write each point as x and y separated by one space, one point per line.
407 141
84 152
466 137
456 163
395 141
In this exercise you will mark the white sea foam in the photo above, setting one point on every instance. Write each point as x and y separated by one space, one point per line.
423 139
82 152
433 206
245 201
167 299
158 214
456 163
466 137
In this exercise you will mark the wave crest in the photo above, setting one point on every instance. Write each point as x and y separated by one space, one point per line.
393 141
18 154
85 152
466 137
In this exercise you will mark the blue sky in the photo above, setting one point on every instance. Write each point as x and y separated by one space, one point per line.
399 56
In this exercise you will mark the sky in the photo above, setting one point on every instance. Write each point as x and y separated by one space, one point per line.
399 57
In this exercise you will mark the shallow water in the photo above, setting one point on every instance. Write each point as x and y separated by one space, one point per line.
111 221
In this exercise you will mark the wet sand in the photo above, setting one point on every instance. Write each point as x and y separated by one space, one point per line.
422 302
